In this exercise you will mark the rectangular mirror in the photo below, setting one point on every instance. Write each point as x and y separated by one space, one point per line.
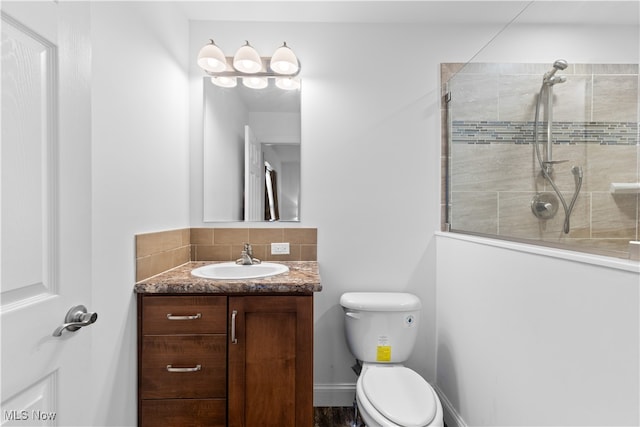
251 153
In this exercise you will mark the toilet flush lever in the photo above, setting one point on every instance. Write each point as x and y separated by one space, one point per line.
76 318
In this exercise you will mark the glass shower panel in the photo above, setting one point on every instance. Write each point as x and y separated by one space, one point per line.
495 184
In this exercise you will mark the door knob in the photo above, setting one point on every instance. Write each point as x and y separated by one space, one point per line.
76 318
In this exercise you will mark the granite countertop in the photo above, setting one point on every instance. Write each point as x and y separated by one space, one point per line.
303 277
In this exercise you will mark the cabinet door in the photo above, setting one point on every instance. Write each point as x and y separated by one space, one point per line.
271 361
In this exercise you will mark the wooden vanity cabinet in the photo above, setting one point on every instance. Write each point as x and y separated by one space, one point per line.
255 355
271 361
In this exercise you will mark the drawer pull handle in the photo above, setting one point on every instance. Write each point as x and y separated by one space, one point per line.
192 317
194 369
234 339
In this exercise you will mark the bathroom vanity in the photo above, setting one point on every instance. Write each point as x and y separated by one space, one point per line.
226 352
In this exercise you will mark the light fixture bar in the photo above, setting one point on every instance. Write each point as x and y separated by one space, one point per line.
231 72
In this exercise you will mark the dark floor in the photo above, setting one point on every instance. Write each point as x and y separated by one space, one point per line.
336 417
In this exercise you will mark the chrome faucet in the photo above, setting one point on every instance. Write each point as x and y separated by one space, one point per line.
246 256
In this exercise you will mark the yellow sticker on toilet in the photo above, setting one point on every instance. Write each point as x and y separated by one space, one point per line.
384 353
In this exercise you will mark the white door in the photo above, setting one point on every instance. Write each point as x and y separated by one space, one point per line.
45 213
253 177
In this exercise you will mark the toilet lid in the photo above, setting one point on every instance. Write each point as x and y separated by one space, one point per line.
400 394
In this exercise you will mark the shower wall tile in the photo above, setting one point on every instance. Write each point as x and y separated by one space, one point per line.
572 100
615 98
518 132
495 167
637 238
494 171
614 215
517 95
447 71
474 97
614 69
536 70
480 68
476 210
516 218
610 163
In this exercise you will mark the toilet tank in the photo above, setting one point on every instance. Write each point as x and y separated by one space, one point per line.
381 327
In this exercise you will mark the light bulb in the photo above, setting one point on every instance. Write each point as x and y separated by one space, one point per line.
247 60
284 61
224 81
288 83
211 58
255 82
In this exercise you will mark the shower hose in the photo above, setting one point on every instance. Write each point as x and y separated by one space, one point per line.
576 170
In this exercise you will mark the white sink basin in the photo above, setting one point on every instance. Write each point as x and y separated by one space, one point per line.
231 270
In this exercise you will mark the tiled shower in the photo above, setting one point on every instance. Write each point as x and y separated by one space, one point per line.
490 165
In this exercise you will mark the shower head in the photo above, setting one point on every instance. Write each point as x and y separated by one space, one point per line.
560 64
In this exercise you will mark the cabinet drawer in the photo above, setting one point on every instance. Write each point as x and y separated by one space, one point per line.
165 315
185 366
182 412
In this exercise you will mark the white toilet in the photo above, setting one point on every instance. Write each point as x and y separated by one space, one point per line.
381 330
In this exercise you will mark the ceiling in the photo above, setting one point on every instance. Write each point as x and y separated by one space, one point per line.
416 11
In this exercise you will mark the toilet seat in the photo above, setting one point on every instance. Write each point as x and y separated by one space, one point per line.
400 395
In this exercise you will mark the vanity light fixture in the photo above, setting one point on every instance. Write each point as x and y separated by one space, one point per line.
288 83
247 59
284 61
211 58
254 70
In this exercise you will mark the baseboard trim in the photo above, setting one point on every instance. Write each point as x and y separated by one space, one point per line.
334 395
451 417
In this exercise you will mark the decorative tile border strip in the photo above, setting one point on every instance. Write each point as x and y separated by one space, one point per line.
517 132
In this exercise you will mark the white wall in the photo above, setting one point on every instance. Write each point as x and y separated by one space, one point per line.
370 164
533 339
370 176
140 176
370 153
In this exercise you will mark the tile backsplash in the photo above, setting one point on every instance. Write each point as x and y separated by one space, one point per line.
161 251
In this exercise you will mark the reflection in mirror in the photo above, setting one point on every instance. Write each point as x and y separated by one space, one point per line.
251 153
